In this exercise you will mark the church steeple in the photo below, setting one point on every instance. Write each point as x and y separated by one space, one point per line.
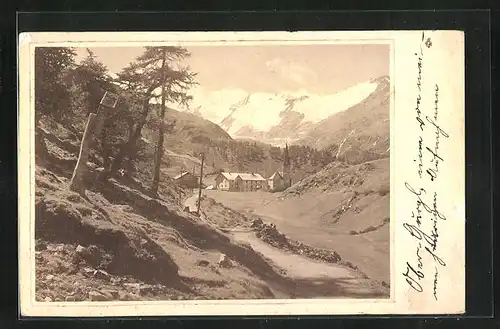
286 162
286 167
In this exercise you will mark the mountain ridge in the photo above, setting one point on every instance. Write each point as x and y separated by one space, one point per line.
277 119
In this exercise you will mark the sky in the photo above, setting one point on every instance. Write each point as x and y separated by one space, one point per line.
318 69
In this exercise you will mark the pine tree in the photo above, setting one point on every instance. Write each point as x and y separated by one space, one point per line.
52 90
52 96
156 68
92 77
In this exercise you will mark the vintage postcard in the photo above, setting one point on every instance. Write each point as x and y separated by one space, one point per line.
249 173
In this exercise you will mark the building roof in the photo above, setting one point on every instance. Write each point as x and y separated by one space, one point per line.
182 174
244 176
229 176
251 177
279 173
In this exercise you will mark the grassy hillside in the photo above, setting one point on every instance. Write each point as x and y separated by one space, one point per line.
341 207
349 204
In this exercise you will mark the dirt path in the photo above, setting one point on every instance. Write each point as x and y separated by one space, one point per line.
296 266
310 278
313 279
191 202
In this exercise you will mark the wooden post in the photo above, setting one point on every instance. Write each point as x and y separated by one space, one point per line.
99 122
92 132
201 181
77 181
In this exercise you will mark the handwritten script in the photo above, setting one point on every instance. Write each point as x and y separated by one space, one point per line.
422 225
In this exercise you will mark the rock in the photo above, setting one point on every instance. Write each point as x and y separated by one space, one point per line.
127 296
203 263
70 299
224 261
115 280
132 285
158 288
47 299
40 245
93 255
49 277
135 287
95 296
80 249
92 165
100 274
145 289
111 294
257 222
59 248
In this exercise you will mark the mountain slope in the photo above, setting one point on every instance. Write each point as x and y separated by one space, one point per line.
341 207
276 118
361 128
190 135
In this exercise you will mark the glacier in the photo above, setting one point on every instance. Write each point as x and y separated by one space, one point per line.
234 109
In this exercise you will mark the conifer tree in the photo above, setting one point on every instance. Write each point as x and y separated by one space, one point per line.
157 68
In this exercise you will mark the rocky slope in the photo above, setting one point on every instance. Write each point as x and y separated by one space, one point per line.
361 132
350 206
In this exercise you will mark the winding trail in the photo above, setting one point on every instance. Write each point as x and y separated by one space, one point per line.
311 275
297 266
191 202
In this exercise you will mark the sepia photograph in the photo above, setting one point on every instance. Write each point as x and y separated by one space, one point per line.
216 171
212 172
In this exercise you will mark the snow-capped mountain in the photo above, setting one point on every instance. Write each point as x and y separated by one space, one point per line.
276 118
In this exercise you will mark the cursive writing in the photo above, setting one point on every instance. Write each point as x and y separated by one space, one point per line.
420 157
423 223
419 87
421 204
436 158
434 290
413 277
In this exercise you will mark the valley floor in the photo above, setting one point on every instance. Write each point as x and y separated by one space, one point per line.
298 220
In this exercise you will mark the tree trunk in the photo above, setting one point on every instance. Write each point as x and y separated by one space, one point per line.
161 131
126 148
106 152
129 166
200 182
78 179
